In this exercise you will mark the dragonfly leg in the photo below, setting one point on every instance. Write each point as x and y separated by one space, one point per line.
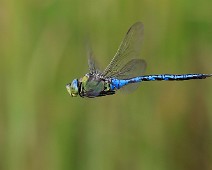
104 93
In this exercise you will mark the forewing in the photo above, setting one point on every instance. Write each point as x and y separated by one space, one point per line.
128 50
93 66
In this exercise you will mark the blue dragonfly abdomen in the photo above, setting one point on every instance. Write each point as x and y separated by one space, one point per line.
119 83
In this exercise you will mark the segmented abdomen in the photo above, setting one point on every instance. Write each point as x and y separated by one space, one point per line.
117 84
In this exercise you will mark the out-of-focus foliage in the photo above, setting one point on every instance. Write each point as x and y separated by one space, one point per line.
163 125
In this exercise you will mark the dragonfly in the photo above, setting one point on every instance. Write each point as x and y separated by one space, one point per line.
124 72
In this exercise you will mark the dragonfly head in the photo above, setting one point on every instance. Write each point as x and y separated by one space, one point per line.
72 88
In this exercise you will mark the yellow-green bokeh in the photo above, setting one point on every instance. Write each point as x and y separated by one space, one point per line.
163 125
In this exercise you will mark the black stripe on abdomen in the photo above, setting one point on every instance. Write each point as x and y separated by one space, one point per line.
170 77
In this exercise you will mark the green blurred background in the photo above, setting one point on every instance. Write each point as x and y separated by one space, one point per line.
161 126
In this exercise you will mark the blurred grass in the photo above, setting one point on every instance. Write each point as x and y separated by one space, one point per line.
163 125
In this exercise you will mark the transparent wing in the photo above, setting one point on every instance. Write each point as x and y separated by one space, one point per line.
124 64
93 66
134 68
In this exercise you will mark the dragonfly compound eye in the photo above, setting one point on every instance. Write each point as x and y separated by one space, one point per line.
72 88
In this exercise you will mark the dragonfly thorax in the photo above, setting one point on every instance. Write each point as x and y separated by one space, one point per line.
90 85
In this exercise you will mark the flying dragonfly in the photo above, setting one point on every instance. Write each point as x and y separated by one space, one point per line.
125 71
